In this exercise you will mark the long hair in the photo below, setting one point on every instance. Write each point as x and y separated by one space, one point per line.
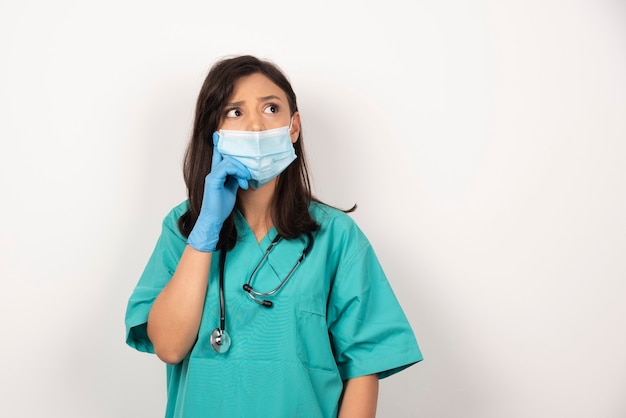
290 207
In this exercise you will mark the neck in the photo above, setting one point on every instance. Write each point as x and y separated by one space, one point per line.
256 208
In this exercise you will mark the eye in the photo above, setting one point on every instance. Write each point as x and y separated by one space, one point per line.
233 113
271 108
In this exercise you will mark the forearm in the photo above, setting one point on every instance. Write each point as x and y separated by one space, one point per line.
360 397
175 316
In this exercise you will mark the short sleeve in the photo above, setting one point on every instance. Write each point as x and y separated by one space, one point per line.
369 330
156 275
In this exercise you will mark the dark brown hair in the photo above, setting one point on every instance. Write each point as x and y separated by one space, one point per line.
290 207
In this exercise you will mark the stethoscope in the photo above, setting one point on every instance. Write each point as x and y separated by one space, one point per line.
220 339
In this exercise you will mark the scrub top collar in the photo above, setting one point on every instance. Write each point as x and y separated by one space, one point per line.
245 233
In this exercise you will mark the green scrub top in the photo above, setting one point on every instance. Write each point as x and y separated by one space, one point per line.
336 318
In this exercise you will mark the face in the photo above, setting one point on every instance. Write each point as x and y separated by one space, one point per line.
257 104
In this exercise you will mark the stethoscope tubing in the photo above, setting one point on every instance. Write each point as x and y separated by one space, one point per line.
222 299
220 340
248 287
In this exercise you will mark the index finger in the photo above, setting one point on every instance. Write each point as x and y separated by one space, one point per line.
217 156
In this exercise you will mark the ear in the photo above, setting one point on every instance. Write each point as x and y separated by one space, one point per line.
295 127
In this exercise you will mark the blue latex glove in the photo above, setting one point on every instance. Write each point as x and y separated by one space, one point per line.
220 193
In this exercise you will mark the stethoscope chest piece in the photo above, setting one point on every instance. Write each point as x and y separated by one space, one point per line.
220 340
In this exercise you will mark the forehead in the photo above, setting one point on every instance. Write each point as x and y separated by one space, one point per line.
255 86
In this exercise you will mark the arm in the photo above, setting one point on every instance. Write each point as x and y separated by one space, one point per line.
174 319
175 316
360 396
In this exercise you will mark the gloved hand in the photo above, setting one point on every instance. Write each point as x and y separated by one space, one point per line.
220 193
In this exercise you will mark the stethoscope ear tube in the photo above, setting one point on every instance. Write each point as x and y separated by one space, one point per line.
220 340
263 302
256 295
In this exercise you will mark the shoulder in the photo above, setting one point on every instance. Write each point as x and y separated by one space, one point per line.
178 210
329 217
171 219
338 227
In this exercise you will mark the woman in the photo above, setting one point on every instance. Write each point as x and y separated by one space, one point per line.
262 300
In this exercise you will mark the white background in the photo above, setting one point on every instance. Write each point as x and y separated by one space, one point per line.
483 141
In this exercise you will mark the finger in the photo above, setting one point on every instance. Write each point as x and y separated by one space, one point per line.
243 183
235 168
236 172
217 156
231 184
228 167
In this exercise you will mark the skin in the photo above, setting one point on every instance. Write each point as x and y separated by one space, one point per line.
174 320
360 397
257 104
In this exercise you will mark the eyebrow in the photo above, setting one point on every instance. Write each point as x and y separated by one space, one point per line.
266 98
260 99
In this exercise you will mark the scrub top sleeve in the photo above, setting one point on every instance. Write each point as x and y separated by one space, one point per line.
156 275
370 332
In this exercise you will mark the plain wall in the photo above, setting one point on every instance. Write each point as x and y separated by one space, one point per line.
484 143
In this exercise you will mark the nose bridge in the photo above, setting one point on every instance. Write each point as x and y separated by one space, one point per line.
255 122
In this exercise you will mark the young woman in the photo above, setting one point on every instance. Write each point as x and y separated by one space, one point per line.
262 300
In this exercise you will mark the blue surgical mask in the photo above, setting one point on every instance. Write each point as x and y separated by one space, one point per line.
266 154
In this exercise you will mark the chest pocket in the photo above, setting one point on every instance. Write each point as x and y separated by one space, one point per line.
314 346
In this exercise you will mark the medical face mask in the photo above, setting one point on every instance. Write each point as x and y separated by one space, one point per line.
266 154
